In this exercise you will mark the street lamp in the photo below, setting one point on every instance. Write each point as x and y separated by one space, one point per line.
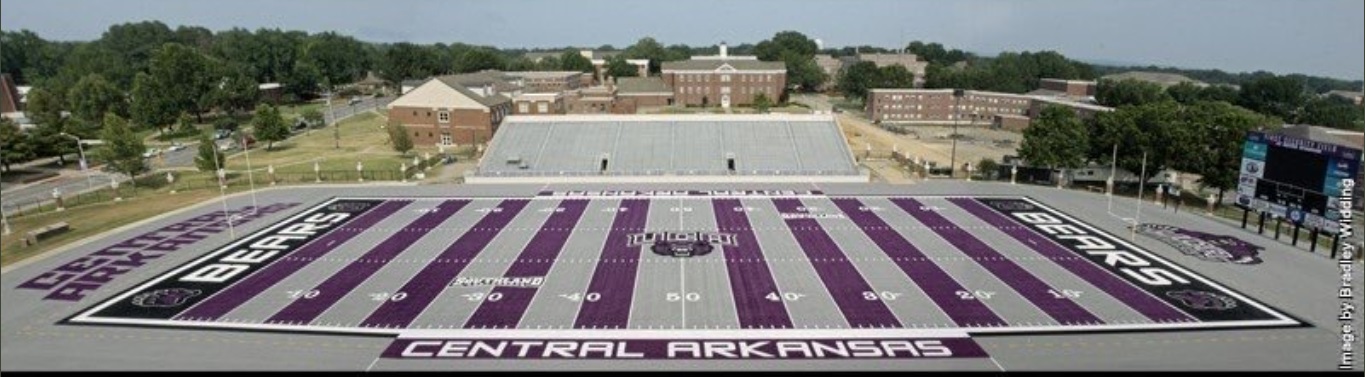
957 116
85 165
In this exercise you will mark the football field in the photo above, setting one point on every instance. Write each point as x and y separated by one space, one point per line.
694 275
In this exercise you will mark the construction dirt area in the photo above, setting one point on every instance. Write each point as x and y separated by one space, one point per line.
873 144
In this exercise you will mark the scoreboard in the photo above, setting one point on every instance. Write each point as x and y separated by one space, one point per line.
1294 178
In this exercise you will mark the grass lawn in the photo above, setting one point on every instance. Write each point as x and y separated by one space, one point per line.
89 220
296 110
362 139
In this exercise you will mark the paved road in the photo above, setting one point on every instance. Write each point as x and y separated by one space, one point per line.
70 183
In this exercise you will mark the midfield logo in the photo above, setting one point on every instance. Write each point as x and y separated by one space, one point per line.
681 245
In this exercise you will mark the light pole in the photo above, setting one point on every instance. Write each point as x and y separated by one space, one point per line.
957 116
336 126
85 164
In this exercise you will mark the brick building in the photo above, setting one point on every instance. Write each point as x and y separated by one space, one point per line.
724 80
548 81
911 62
538 103
940 106
643 92
937 105
455 109
9 95
1067 88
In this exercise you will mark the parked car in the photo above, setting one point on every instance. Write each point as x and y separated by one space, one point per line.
176 146
151 152
221 134
355 101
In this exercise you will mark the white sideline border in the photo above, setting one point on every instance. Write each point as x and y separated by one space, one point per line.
83 317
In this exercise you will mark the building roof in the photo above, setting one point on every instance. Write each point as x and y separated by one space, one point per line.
1162 78
1345 94
543 74
1353 139
642 85
712 65
464 91
536 56
656 144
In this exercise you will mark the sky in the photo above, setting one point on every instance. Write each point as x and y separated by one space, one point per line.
1315 37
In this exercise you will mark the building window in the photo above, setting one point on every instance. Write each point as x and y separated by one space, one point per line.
724 78
543 107
523 108
443 117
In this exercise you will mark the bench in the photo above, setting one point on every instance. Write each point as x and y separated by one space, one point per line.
33 236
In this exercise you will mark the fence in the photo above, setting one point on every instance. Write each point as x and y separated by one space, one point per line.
156 184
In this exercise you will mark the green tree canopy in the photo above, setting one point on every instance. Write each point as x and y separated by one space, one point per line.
1057 139
122 149
1280 96
207 158
399 139
15 146
93 96
151 105
269 126
573 61
798 53
618 67
1127 92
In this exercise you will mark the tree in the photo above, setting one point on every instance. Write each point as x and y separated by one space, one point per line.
1152 129
856 80
150 105
1279 96
647 48
225 123
548 63
798 53
1332 111
762 103
269 126
186 122
92 97
122 149
1057 139
15 146
404 61
399 138
573 61
1129 92
478 58
44 106
303 81
314 118
185 78
895 76
618 67
339 59
238 92
208 159
1219 131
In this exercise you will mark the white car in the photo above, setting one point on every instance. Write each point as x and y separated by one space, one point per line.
175 147
151 152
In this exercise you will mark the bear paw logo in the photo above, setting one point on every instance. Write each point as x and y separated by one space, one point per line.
1203 300
165 298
